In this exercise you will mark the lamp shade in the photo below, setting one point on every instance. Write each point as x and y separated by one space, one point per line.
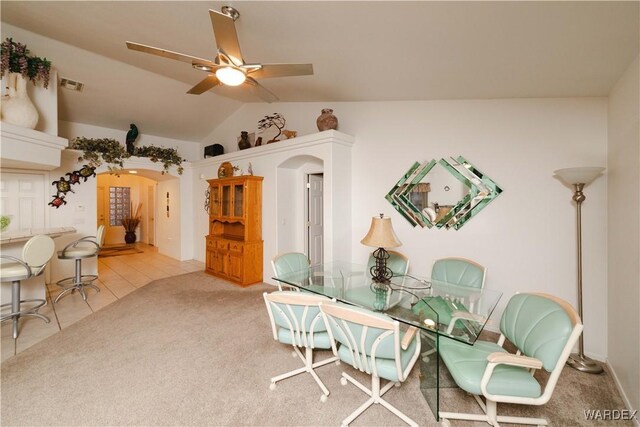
381 234
231 76
583 175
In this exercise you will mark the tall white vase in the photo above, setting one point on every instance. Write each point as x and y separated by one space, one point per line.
17 108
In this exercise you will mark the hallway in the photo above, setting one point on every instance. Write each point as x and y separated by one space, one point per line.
117 276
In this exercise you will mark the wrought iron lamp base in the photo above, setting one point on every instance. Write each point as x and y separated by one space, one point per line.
584 364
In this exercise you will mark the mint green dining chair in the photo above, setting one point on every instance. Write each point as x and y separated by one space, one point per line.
544 330
459 271
371 343
288 263
296 321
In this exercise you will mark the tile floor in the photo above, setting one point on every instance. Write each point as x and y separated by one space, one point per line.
118 275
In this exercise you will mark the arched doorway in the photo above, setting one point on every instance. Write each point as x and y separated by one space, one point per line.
300 206
155 196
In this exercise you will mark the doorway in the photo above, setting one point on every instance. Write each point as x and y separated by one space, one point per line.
118 198
314 218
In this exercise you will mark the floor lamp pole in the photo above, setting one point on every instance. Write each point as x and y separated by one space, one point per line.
578 360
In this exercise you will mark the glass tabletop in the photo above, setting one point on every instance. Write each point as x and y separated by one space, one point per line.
446 309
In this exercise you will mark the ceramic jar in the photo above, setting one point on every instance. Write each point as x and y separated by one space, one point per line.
327 120
17 108
244 142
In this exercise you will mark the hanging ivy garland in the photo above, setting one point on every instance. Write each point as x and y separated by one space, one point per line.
97 151
107 150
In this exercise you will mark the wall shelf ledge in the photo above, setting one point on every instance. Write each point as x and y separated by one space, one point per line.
30 149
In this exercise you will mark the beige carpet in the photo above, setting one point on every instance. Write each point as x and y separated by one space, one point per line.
194 350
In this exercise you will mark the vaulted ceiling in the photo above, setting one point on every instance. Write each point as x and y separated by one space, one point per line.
361 51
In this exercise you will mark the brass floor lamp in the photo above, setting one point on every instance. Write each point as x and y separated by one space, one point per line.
579 178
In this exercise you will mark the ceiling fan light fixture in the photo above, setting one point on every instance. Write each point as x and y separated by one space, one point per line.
203 67
231 76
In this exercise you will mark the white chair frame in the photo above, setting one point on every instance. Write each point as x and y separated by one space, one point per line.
335 316
489 407
299 334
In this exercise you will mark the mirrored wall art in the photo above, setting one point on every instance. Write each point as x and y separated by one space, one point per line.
446 193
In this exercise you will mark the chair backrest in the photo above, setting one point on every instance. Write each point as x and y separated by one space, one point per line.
459 271
367 335
397 262
289 262
100 235
541 326
295 312
38 251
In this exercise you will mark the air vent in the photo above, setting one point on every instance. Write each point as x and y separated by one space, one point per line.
71 84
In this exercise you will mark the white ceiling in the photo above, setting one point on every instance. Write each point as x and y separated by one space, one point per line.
361 51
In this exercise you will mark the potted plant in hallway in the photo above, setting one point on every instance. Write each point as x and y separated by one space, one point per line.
130 224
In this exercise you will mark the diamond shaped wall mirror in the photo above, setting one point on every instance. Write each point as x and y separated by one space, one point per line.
446 193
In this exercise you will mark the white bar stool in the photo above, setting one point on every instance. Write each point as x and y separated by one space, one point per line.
35 255
78 251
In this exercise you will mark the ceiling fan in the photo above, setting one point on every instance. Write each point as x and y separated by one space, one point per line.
229 68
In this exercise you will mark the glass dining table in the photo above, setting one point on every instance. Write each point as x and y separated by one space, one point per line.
441 310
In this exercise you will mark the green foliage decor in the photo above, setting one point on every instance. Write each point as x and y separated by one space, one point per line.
107 150
168 156
99 150
16 59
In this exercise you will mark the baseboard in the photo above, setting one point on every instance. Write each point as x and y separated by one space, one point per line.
625 399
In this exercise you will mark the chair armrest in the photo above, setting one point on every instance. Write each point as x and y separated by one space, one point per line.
21 262
500 358
75 243
463 315
408 337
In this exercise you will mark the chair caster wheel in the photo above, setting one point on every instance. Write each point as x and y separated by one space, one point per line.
323 398
272 386
343 381
445 422
396 385
293 354
337 363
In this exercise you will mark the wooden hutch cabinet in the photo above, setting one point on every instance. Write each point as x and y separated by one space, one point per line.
234 243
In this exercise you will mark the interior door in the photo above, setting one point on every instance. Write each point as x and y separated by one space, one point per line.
151 214
315 244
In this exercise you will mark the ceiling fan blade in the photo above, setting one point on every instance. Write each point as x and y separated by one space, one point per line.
168 54
224 29
260 91
209 82
282 70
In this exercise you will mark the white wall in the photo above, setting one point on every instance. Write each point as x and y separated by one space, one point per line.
526 237
186 149
624 234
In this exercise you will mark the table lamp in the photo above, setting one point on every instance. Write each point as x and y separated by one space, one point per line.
381 236
580 178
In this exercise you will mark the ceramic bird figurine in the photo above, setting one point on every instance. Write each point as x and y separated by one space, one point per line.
132 135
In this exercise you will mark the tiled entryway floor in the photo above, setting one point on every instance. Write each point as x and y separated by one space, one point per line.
117 276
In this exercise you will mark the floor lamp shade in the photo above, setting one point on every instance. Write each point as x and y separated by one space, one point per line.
580 178
583 175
